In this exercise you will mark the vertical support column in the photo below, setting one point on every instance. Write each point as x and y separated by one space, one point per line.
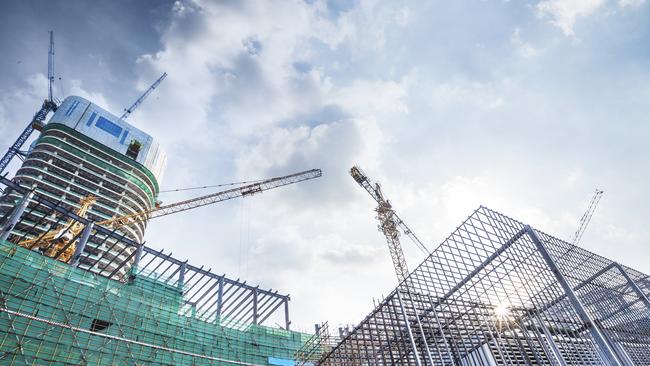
417 319
286 313
255 306
219 299
408 329
15 216
81 245
589 323
136 262
138 256
555 351
181 276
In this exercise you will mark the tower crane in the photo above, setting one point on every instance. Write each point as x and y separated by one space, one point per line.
586 217
136 104
49 105
59 241
389 222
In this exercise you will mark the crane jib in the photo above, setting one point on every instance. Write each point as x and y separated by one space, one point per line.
212 198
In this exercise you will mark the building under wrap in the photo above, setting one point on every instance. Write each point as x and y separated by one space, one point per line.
164 312
499 292
116 301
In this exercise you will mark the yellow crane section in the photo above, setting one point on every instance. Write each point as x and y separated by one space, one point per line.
53 241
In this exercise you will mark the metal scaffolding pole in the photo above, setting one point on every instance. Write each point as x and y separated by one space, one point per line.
596 333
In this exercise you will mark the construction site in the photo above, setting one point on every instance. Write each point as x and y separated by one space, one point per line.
79 286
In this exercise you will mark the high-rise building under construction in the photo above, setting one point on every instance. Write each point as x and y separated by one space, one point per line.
116 301
86 151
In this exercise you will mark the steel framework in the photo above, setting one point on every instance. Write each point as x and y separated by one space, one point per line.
205 295
498 292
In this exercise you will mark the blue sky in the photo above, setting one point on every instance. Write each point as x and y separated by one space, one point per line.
523 106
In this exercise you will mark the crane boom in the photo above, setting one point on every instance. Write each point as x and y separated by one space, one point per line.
389 223
586 217
209 199
136 104
60 239
49 105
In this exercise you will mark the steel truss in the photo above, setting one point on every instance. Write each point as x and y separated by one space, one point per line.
206 295
498 292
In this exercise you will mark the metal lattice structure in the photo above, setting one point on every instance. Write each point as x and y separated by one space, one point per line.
498 292
162 311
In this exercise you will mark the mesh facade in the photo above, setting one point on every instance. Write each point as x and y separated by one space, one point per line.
53 313
164 311
498 292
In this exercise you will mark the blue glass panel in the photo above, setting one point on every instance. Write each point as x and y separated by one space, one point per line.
91 119
281 362
126 132
109 126
72 107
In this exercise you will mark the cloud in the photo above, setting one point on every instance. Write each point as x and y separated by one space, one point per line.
524 48
77 88
448 106
564 13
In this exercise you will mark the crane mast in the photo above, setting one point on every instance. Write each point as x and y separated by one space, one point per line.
586 217
389 223
49 105
136 104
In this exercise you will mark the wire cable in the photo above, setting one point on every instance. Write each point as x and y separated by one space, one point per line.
213 186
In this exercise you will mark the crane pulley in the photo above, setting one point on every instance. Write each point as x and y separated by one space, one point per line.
58 241
389 222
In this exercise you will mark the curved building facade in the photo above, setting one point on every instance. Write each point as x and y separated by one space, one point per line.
82 151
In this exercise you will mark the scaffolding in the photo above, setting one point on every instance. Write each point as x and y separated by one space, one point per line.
162 311
498 292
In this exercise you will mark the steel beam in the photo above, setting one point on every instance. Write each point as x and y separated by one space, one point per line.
81 245
408 330
15 216
634 286
601 342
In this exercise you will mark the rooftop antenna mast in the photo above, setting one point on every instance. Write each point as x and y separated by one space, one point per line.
37 123
136 104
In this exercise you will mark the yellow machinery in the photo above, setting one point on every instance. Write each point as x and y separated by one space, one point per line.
56 243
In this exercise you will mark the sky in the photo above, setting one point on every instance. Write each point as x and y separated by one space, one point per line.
525 107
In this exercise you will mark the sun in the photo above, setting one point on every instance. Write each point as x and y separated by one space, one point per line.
502 311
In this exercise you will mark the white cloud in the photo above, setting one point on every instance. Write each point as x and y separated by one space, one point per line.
77 88
565 13
631 3
524 48
258 89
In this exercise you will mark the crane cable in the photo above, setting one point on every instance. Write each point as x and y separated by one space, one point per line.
213 186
